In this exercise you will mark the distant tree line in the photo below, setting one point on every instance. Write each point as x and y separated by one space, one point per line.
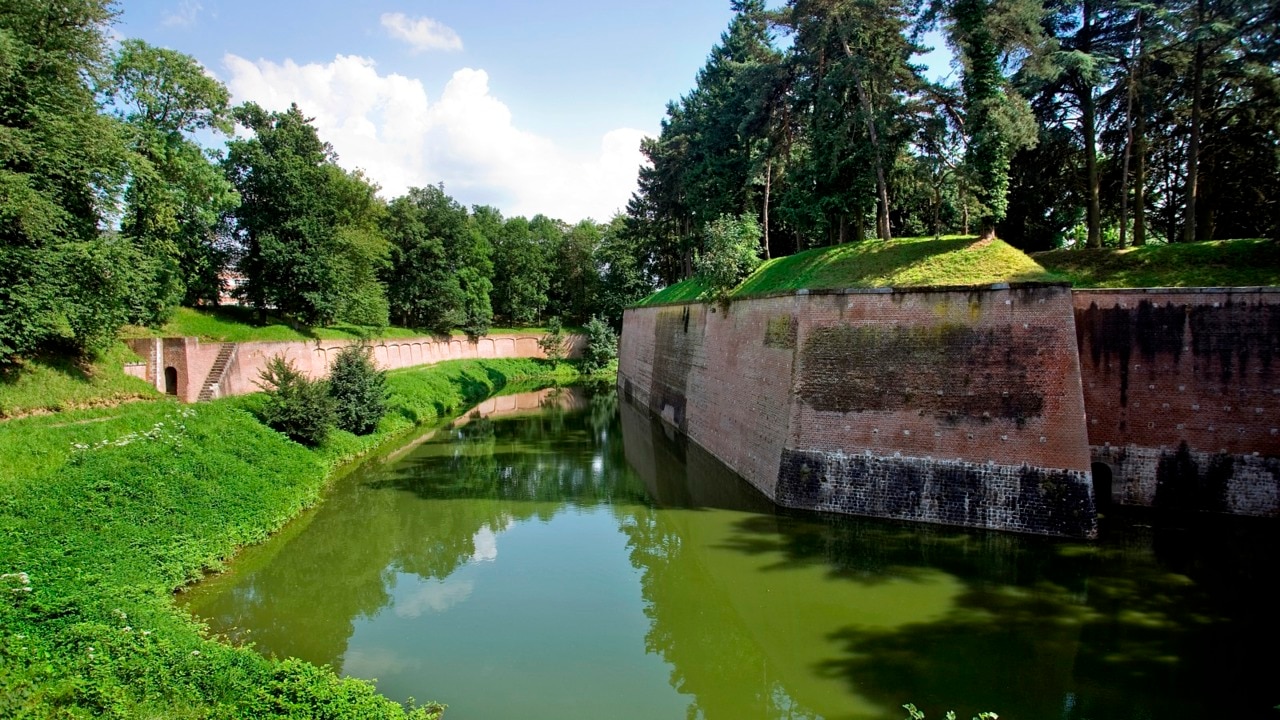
112 213
1071 122
1086 121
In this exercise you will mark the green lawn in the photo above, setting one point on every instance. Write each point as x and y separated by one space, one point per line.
239 324
906 262
104 512
1224 263
50 384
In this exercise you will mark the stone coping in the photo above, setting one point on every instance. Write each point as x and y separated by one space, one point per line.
925 289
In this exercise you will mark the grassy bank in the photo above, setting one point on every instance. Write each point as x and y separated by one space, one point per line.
240 324
104 512
906 262
1225 263
53 384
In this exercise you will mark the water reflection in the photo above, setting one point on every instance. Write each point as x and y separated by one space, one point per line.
577 561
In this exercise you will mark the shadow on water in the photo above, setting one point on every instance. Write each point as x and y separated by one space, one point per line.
765 613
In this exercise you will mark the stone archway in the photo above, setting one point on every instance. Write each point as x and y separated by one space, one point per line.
171 380
1102 479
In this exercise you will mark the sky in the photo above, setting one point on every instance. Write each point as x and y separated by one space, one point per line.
532 106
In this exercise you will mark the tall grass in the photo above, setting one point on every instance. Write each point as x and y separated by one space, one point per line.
104 512
55 383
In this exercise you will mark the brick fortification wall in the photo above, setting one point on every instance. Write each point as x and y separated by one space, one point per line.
956 406
1183 393
193 360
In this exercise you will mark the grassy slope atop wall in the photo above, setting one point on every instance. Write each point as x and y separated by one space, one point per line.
917 262
1225 263
907 262
103 513
239 324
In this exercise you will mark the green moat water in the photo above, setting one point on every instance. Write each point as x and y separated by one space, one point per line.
575 562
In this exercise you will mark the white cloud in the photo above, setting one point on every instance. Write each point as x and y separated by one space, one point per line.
466 139
434 596
421 33
184 15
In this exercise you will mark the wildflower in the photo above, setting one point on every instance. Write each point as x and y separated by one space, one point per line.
145 633
127 629
195 653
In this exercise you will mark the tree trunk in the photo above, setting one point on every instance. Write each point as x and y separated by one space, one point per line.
1134 68
768 182
1089 120
1193 143
1140 181
882 187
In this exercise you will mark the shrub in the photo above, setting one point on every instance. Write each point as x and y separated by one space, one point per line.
296 405
602 346
358 389
553 343
732 253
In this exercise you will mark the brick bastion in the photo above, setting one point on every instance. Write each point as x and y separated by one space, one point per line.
194 370
960 406
1182 387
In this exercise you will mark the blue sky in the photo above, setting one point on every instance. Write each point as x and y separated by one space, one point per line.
528 106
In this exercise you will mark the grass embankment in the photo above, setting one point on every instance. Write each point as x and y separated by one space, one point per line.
239 324
52 384
104 512
906 262
1224 263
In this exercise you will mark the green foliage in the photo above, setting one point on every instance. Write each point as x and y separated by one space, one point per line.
914 713
107 511
296 405
310 231
553 343
732 253
55 382
176 194
438 278
61 169
358 389
522 269
601 348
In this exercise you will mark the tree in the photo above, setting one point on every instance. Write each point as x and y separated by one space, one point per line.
522 270
732 253
601 348
358 389
997 120
176 195
438 277
553 343
285 222
295 405
61 169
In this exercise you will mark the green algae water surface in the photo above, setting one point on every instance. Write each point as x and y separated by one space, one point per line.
554 555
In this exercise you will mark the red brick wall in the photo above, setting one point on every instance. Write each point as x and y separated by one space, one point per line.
1163 367
193 359
972 377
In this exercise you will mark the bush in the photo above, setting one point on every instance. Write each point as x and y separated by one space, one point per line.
296 405
553 343
602 346
732 253
358 389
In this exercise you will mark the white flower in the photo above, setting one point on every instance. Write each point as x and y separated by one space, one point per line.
195 653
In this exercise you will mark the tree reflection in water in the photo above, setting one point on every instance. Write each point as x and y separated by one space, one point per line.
758 612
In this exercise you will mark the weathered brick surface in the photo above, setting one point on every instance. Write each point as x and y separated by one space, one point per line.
933 380
193 359
1166 367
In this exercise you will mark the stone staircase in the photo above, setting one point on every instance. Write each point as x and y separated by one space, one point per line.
220 364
